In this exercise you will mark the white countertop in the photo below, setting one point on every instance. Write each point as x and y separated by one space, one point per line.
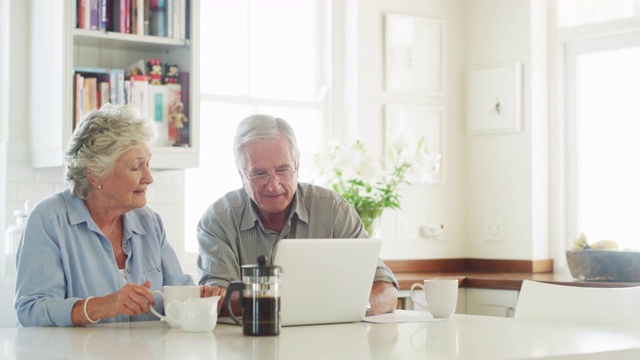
462 337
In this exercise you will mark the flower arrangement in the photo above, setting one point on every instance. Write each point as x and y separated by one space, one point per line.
369 185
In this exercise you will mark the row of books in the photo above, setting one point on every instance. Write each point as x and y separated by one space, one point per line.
165 18
94 87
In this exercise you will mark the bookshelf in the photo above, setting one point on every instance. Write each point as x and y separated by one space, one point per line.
58 47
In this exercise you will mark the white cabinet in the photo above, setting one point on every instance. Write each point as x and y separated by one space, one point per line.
57 46
408 304
491 302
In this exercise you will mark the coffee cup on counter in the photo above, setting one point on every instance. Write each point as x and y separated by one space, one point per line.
441 296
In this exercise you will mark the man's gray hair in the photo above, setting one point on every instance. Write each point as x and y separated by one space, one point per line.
262 127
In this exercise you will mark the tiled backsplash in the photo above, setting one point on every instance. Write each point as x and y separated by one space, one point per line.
165 195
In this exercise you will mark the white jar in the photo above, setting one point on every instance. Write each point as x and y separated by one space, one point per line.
11 241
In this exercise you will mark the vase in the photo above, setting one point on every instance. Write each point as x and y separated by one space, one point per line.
371 220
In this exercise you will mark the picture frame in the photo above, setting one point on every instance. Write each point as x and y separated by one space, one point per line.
412 122
414 55
494 99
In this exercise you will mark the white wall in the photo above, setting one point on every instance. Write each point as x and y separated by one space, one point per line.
444 201
483 174
507 173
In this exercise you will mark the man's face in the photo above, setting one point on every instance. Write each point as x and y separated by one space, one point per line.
272 158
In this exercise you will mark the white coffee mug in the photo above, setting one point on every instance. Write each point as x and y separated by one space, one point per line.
172 293
194 314
441 296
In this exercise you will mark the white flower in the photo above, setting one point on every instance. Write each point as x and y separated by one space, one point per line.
369 183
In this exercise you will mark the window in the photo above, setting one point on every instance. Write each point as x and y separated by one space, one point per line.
256 57
601 81
579 12
603 192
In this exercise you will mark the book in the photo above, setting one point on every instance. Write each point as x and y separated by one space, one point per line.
90 94
140 93
120 98
140 16
105 93
169 18
81 14
159 114
178 18
118 16
94 12
78 99
127 16
104 15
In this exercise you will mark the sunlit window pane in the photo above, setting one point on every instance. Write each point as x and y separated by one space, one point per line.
224 53
217 173
608 146
283 50
578 12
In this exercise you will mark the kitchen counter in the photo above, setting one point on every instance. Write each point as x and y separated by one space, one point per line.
488 273
498 280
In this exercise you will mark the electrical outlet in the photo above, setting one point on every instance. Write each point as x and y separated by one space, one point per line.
494 228
434 228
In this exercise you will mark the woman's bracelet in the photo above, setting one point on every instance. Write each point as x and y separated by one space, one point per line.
86 314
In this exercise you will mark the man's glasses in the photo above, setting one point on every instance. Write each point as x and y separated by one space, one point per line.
261 178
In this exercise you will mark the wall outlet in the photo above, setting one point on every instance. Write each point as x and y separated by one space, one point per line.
494 228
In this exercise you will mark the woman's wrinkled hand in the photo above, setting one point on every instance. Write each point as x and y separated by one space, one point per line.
131 300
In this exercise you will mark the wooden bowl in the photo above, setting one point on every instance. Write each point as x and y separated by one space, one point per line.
604 265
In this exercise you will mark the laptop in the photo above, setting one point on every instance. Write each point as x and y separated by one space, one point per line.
324 281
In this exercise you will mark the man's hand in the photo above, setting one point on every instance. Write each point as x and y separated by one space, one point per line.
383 298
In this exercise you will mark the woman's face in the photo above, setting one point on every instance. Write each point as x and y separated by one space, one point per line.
126 187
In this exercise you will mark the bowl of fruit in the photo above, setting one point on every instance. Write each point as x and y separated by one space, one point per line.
603 261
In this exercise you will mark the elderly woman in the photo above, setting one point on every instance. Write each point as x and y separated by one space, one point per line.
95 252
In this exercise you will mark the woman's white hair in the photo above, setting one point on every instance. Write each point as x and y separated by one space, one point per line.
99 140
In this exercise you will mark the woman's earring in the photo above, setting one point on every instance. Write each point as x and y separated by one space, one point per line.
99 186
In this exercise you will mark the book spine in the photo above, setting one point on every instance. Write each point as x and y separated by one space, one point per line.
127 16
169 18
104 15
139 17
122 16
79 99
94 15
105 93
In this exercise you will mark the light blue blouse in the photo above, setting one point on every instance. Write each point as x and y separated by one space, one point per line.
64 257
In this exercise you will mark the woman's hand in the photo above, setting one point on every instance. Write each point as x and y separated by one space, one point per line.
131 300
208 291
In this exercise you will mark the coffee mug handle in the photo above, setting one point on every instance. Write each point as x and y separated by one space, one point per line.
415 301
161 317
233 286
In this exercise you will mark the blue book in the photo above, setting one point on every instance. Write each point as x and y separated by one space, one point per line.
119 87
91 69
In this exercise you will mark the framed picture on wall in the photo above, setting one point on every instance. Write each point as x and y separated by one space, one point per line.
414 50
411 123
494 99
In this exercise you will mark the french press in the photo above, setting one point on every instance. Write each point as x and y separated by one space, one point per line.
259 298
